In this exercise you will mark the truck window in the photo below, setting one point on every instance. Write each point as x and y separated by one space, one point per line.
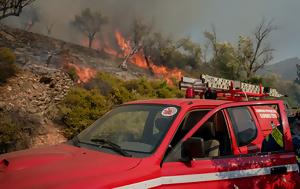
190 120
270 123
215 134
243 125
138 128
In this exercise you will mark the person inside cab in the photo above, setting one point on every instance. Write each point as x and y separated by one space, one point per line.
274 141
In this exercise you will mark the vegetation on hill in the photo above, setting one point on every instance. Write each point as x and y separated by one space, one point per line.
16 130
7 64
84 105
12 7
87 102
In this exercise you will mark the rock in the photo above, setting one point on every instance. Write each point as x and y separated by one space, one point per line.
7 36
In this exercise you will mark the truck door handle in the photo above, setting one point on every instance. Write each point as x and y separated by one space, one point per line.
278 170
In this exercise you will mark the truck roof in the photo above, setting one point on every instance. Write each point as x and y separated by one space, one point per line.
181 102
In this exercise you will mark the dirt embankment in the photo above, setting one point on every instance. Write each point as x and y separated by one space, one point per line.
34 94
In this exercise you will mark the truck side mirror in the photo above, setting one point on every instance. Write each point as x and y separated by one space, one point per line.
192 148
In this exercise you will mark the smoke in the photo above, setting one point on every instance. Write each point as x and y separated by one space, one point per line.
171 17
178 18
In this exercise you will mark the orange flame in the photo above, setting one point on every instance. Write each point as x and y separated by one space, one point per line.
139 60
85 74
110 51
124 45
107 47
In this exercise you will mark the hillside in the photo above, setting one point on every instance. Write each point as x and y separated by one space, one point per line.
286 68
34 102
32 48
32 96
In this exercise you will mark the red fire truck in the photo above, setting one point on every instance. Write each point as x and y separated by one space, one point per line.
171 143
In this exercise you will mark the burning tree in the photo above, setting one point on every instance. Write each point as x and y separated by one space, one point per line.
12 7
140 32
152 47
89 23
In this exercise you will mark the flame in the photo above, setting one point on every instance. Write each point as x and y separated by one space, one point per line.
85 74
139 60
97 45
110 51
107 47
124 44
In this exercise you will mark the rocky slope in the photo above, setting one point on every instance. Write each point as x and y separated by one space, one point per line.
42 50
42 83
34 94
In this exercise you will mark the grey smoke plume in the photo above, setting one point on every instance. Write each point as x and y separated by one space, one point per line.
171 17
180 18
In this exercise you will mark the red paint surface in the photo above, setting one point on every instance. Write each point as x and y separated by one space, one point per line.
66 166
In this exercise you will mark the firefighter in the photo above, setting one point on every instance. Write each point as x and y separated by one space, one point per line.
274 141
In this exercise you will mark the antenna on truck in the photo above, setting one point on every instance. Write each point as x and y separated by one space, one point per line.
210 87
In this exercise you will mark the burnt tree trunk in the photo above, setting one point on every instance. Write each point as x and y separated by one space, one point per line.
147 58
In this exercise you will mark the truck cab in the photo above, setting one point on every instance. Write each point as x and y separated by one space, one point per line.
166 143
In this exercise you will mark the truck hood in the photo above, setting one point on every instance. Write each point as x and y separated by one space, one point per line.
56 166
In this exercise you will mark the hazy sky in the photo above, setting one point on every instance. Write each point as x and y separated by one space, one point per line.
192 17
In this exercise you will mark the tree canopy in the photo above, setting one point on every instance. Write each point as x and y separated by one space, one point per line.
89 23
12 7
243 60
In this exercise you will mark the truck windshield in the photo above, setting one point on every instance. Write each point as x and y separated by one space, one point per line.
135 129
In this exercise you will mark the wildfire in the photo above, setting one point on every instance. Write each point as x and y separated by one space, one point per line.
108 48
124 44
139 60
85 74
136 58
110 51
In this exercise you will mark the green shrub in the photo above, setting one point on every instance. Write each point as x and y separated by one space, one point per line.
105 83
120 95
9 130
16 131
153 89
7 55
141 86
163 90
81 108
7 64
71 71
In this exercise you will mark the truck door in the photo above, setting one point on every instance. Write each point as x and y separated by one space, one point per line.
212 171
225 133
273 167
